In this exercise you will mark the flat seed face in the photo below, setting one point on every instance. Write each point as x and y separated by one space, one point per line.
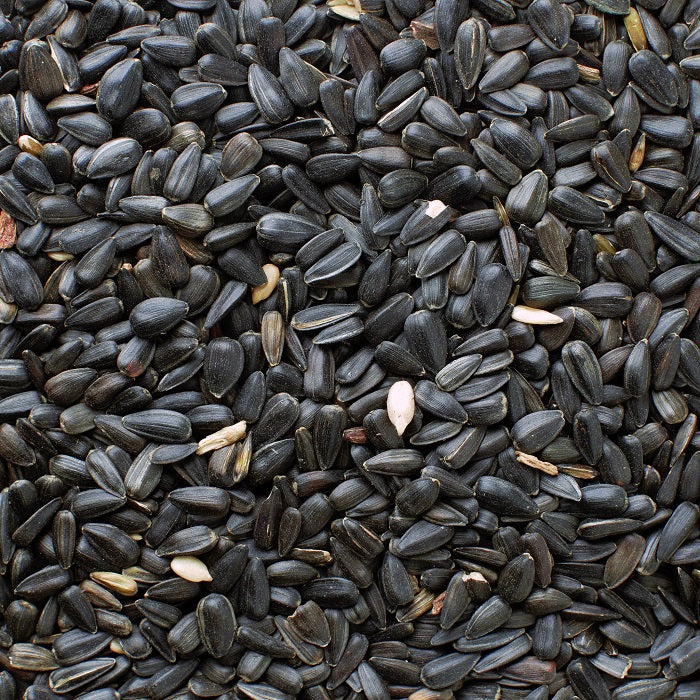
349 350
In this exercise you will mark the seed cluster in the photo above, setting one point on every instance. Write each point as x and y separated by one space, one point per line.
349 349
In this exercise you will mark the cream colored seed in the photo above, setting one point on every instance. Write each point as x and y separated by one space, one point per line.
263 291
535 317
346 12
190 569
222 438
400 405
59 256
435 208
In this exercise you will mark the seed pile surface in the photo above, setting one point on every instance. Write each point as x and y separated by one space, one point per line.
349 350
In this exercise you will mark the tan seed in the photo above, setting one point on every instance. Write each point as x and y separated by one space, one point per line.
347 12
635 30
272 336
263 291
29 144
355 435
579 471
7 312
222 438
588 74
118 583
638 152
59 256
141 575
541 465
99 596
427 694
502 213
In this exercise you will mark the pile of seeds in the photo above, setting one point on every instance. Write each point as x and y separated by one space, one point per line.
349 350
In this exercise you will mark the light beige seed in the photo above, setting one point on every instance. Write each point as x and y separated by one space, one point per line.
190 568
400 405
535 317
118 583
315 557
263 291
346 12
222 438
59 256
